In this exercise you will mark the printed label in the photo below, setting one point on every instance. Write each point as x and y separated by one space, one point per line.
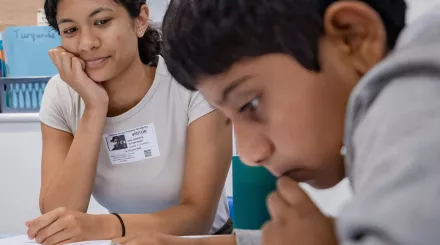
132 145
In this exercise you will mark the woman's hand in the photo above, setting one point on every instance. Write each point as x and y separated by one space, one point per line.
72 71
62 226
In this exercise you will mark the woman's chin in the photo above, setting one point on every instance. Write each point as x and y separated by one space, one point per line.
99 76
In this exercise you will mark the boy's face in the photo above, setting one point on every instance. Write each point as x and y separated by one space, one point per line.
289 119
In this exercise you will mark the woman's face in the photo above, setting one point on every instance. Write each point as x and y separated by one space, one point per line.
102 33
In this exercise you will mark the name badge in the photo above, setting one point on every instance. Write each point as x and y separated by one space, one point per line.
132 145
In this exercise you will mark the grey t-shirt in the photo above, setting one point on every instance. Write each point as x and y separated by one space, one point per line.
393 145
142 156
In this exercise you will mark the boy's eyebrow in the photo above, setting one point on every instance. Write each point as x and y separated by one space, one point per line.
95 12
231 87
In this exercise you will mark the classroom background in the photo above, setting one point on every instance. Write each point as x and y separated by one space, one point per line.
25 68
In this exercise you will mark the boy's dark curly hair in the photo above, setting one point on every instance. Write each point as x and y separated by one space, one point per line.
205 37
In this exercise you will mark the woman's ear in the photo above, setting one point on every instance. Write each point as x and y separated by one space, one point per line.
358 31
142 21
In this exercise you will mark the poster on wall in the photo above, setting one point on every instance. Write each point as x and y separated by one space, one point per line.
26 50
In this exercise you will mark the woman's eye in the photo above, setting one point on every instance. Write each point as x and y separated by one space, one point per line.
251 106
102 22
69 31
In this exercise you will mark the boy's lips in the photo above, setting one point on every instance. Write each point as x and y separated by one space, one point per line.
299 175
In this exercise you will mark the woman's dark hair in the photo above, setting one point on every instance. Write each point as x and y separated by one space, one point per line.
206 37
149 44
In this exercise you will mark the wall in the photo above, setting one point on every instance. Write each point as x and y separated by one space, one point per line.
20 149
20 168
19 12
24 12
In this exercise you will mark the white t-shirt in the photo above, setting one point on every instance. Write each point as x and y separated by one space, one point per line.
142 157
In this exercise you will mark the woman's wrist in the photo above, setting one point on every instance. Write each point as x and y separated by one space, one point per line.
97 102
97 109
94 119
108 227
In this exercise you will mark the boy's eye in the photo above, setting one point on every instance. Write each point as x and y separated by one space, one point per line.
251 106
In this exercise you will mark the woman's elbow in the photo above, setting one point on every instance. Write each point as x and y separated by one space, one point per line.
45 205
41 204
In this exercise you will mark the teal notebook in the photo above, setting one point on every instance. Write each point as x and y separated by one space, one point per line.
26 50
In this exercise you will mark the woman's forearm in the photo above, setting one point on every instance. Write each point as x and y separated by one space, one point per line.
180 220
72 187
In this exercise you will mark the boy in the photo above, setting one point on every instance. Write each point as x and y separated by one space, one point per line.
318 90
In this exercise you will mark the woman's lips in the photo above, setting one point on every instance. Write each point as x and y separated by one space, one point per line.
96 62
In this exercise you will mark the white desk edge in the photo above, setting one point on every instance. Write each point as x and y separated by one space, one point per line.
19 117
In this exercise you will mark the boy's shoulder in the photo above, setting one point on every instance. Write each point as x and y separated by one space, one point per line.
416 53
424 30
414 62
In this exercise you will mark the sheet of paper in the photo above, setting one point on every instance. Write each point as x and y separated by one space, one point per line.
17 240
24 240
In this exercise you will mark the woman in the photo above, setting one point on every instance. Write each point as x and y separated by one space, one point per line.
115 124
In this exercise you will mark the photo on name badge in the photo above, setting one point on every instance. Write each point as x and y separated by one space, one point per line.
117 142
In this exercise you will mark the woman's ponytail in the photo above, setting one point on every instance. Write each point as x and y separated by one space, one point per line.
150 46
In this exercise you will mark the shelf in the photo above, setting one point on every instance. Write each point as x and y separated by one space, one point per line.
19 117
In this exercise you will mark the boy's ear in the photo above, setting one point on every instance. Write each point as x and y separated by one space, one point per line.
358 31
